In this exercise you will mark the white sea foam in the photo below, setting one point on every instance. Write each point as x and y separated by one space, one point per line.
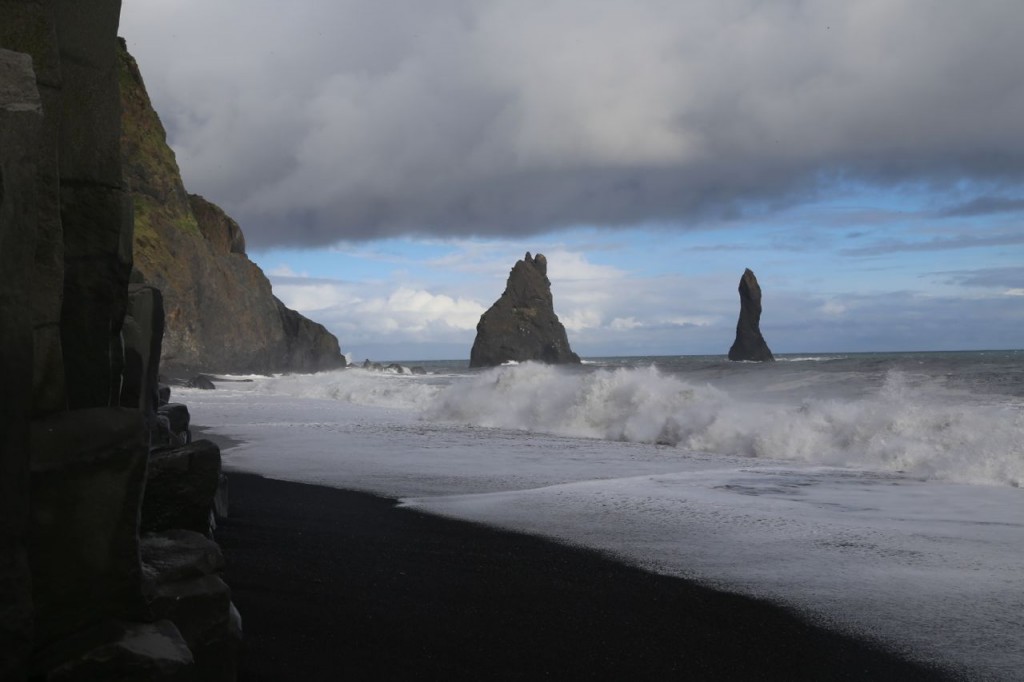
901 426
355 385
905 422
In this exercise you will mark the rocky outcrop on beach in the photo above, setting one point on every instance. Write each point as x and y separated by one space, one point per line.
522 324
749 344
222 315
80 420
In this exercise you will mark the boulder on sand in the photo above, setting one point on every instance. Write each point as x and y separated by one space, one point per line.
181 484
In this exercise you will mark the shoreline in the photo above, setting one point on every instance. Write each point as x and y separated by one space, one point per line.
223 442
333 582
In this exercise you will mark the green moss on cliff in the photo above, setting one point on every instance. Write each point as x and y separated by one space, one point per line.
150 168
151 216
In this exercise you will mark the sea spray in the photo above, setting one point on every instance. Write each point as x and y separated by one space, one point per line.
904 425
861 414
357 386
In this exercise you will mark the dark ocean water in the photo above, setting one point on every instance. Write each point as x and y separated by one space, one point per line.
981 373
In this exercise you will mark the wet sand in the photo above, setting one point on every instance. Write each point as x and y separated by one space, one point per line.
334 584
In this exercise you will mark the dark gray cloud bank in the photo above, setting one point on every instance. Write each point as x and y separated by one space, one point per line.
313 122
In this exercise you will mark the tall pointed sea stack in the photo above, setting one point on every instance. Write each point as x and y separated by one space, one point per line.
749 344
522 325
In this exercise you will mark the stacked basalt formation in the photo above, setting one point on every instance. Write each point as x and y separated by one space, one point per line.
108 569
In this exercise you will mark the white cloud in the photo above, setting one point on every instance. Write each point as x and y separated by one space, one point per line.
421 308
285 270
631 323
1014 292
691 320
625 324
832 308
316 296
362 311
572 266
579 320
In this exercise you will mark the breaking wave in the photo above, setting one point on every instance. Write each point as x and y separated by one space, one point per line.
900 426
357 386
900 422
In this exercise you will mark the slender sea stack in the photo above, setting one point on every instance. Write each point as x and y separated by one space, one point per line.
522 325
749 344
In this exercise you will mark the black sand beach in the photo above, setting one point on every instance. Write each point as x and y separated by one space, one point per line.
336 585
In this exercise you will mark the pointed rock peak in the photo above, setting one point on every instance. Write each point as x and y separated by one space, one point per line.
749 285
538 261
541 263
749 343
522 324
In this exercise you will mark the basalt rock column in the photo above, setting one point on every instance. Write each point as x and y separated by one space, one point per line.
522 324
749 344
30 27
20 121
75 603
95 209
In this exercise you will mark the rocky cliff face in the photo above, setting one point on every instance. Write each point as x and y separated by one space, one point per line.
522 324
749 344
221 313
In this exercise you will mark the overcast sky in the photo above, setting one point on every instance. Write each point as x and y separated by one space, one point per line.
390 160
